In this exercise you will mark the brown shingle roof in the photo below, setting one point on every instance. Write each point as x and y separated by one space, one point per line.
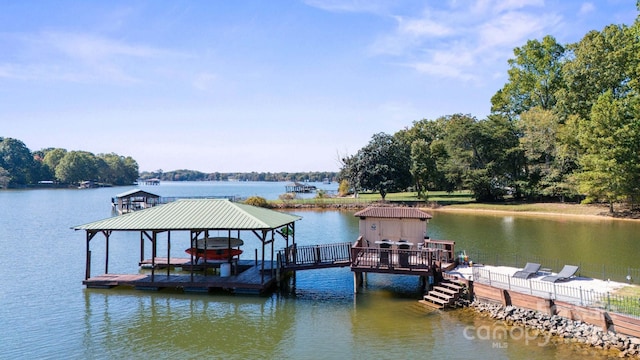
393 212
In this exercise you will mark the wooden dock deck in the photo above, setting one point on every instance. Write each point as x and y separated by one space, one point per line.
163 262
249 279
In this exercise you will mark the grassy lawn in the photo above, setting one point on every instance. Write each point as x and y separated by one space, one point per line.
552 208
460 201
441 197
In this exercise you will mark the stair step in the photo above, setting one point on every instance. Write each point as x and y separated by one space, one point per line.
445 290
431 304
441 295
451 286
436 300
458 282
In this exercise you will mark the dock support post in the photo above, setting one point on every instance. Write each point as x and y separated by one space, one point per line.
357 281
278 273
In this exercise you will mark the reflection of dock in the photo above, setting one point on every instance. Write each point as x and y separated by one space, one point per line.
246 278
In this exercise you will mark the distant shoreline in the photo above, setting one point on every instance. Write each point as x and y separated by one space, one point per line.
575 211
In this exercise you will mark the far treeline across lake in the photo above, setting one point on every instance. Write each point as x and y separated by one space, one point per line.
564 127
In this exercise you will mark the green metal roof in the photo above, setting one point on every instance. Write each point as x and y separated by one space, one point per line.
195 214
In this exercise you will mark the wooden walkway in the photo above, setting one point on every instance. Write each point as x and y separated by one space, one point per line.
360 259
250 279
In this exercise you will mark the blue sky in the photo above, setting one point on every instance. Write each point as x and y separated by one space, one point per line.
260 85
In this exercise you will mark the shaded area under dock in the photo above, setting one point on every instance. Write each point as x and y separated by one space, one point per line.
248 277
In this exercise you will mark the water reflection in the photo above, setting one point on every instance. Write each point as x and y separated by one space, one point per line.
123 322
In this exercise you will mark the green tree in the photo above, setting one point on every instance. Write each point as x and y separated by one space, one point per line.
17 160
420 139
546 167
257 201
460 146
52 158
499 163
601 61
5 178
118 170
422 165
535 75
482 156
610 168
350 173
382 165
343 187
77 166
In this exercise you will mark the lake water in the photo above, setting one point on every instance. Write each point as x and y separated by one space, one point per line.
45 312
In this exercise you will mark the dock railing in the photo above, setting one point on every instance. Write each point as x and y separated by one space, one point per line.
566 292
586 269
311 256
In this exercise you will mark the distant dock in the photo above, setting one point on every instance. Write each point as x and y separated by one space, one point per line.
297 187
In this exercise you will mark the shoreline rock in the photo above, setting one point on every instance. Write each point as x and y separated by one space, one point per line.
574 331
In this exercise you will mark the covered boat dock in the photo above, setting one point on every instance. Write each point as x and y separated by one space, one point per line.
134 200
200 218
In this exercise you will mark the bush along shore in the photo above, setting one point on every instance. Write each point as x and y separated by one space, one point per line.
572 331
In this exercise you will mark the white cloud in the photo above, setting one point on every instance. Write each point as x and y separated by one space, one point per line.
95 48
77 57
422 27
357 6
459 41
512 29
508 5
204 81
587 8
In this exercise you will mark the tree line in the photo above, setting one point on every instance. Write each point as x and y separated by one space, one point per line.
193 175
566 125
21 167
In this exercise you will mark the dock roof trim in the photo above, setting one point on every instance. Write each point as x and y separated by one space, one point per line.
393 213
136 191
195 214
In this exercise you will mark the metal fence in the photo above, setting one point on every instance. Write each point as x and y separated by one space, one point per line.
595 271
608 301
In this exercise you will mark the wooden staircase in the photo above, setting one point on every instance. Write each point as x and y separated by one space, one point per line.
443 295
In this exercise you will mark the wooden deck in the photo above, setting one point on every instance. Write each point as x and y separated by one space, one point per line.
163 262
249 279
360 259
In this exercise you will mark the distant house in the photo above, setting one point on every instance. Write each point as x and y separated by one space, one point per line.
133 200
